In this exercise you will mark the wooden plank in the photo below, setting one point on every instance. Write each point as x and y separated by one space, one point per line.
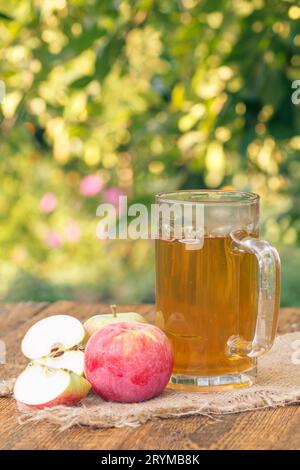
265 429
289 320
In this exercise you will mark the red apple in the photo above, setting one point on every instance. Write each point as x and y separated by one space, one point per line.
128 362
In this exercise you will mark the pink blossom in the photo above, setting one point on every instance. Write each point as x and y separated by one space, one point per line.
53 239
48 203
73 232
91 185
112 196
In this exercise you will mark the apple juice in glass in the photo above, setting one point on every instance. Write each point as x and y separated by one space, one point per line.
217 289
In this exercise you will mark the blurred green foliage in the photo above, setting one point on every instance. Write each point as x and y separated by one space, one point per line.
136 97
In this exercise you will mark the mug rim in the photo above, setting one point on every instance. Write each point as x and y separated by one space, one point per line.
231 196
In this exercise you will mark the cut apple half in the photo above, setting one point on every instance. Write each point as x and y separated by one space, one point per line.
70 360
58 332
39 386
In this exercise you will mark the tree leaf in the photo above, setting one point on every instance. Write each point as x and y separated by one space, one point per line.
81 82
4 16
107 54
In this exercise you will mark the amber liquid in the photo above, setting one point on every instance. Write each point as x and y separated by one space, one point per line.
204 297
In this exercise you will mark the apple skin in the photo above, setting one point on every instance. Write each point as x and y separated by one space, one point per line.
97 322
128 362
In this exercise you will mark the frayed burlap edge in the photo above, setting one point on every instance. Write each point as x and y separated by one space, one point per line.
6 387
278 385
67 417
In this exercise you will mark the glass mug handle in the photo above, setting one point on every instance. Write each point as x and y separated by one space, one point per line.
268 296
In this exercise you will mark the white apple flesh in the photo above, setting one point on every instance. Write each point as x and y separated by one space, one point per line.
70 360
39 386
97 322
61 332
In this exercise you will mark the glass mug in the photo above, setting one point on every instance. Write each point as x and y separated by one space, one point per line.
217 288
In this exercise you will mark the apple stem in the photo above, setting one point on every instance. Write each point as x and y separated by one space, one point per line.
114 310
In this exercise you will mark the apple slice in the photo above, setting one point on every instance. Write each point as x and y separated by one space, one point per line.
39 386
70 360
60 332
97 322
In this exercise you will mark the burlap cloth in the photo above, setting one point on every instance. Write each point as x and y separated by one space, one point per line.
278 384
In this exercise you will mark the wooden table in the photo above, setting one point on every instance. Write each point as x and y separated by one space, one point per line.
265 429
